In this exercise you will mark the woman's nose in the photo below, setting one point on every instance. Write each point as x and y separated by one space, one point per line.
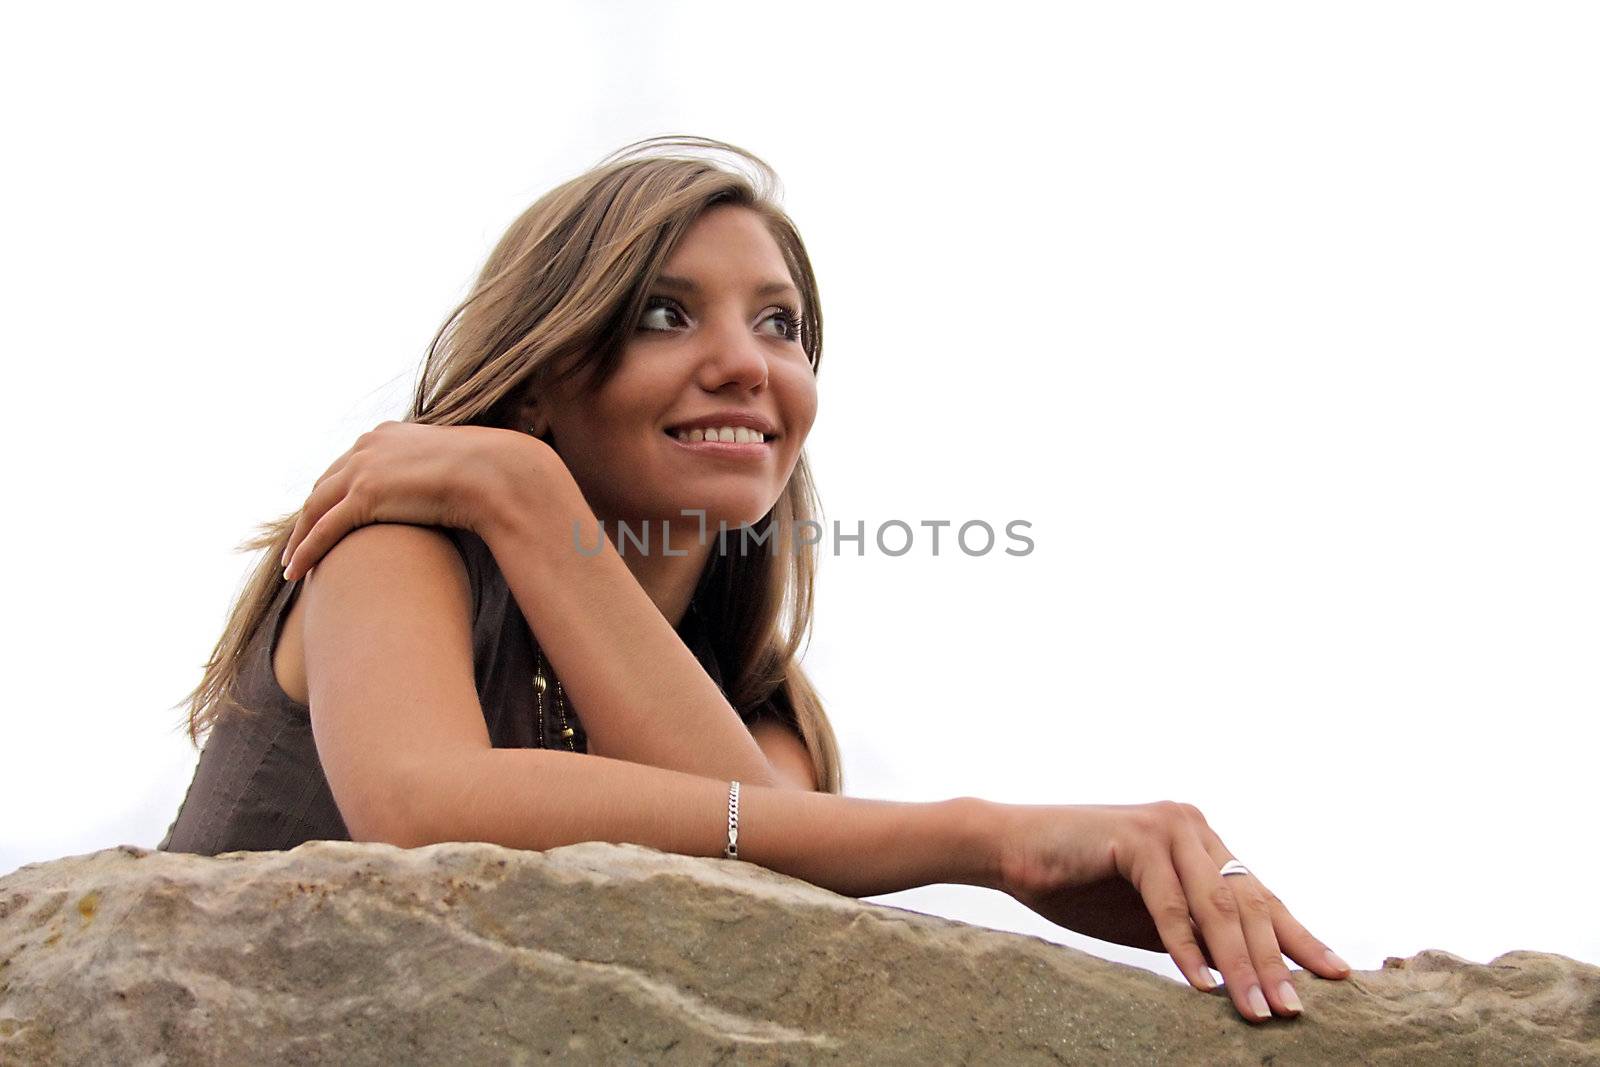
734 355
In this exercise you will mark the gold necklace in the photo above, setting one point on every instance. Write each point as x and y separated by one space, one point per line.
539 687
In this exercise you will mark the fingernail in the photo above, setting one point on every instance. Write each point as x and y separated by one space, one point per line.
1207 982
1335 962
1291 999
1258 1003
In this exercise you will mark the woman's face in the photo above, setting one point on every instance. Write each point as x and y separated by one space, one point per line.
713 344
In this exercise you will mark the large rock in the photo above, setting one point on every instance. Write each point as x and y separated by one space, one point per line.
356 953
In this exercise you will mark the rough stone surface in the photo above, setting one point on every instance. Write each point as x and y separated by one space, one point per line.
344 953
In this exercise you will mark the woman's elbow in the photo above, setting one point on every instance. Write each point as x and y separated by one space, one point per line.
398 815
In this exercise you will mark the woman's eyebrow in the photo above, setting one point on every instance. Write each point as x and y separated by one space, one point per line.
671 281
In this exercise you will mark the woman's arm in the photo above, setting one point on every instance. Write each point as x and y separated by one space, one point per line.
642 695
640 692
401 737
544 798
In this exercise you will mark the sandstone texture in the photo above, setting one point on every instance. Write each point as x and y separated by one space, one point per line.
344 953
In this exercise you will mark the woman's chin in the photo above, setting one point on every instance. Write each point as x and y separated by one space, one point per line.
727 517
692 517
723 515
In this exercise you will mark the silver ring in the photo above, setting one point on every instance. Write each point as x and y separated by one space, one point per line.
1234 867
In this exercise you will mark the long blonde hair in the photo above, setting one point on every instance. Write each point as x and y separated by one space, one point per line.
557 299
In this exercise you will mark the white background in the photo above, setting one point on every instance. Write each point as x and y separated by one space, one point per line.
1277 321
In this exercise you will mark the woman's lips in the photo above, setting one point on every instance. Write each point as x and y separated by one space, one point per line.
730 449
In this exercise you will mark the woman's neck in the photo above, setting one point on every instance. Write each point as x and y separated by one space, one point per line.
669 580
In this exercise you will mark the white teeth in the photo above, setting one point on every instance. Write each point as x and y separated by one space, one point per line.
732 434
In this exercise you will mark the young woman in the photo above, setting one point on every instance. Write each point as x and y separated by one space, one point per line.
518 616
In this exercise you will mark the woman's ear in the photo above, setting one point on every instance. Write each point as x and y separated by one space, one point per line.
531 418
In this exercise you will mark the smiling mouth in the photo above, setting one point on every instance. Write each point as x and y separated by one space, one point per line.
727 435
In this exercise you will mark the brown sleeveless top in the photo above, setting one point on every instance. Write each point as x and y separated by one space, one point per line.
259 784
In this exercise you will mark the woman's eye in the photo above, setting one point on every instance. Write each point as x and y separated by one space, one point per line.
654 306
791 324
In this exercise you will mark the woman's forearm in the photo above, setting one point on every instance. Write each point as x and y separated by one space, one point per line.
544 798
641 694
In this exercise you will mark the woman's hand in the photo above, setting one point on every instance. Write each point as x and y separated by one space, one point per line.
413 473
1149 876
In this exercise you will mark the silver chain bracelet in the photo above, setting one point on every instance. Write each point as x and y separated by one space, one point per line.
731 852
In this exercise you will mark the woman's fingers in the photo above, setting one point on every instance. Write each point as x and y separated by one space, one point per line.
304 523
1163 897
332 510
1301 947
1294 939
1214 906
1255 915
337 521
1211 963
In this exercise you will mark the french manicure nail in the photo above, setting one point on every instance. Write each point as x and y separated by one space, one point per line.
1335 962
1291 999
1258 1003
